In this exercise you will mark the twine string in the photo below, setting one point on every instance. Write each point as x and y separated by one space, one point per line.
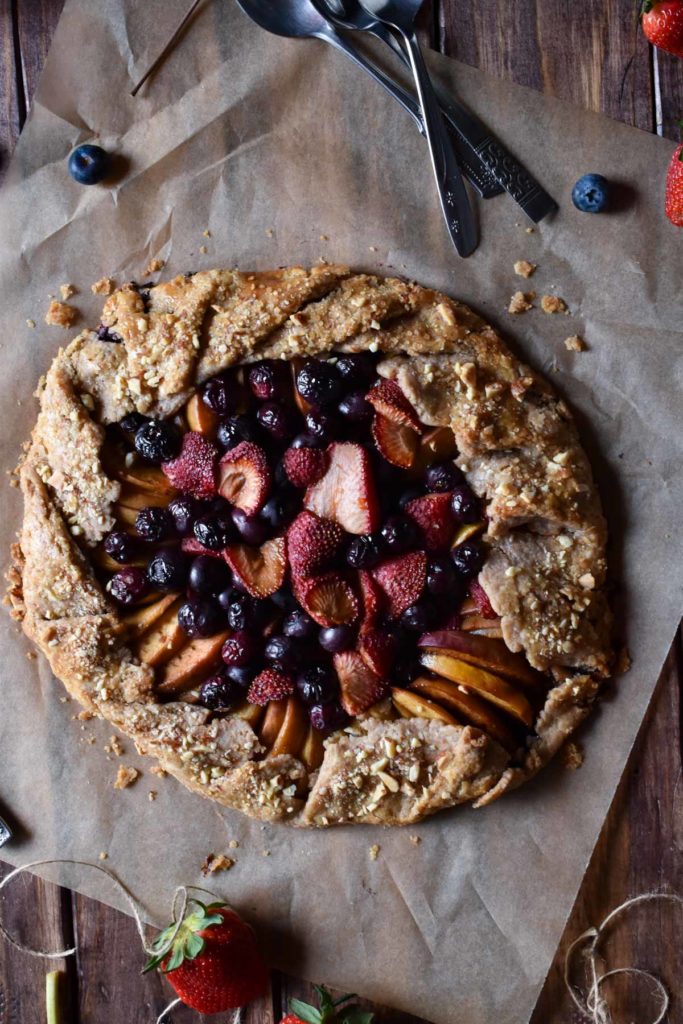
592 1004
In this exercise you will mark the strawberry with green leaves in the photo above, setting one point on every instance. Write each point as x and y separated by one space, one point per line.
662 22
673 200
214 963
331 1011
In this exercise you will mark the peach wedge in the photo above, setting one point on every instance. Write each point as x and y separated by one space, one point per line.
491 687
469 708
482 651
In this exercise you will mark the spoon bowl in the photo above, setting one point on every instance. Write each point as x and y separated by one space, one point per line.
297 19
401 13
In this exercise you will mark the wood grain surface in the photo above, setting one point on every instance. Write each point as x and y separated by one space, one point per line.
592 54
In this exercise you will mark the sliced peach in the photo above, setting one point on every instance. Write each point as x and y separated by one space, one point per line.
412 705
165 639
469 708
138 622
466 531
125 515
272 722
437 445
250 713
293 730
491 687
196 659
482 651
495 632
312 752
200 418
147 478
133 497
382 710
471 622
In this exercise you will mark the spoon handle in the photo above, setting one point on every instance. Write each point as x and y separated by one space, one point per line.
451 188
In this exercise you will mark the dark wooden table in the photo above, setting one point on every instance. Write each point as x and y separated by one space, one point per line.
593 54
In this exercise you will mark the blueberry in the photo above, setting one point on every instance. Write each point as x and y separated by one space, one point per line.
241 611
305 440
317 685
242 675
282 649
442 577
157 441
218 692
121 546
321 425
443 477
251 529
183 511
197 617
280 509
468 558
336 638
284 599
328 717
465 505
234 429
591 194
299 625
132 422
128 585
154 524
355 407
168 570
356 371
319 383
89 164
399 534
364 551
418 617
239 649
208 576
266 380
276 419
105 333
219 394
213 531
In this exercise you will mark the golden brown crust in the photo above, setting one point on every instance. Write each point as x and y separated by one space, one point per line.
518 447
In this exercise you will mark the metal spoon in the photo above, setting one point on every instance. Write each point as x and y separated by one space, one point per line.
299 19
400 15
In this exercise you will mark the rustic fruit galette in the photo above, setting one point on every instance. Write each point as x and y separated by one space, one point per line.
315 540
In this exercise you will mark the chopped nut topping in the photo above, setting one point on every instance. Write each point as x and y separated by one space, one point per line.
524 268
553 304
60 314
521 302
125 777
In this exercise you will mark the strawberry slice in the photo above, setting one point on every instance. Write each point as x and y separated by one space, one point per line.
304 466
396 442
261 570
377 648
328 599
245 477
434 518
372 599
402 579
360 687
481 600
389 401
312 543
270 685
194 470
347 491
191 546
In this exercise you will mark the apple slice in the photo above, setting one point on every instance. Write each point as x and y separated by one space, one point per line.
249 713
196 659
312 752
272 722
466 531
412 705
292 734
147 478
469 708
484 652
165 639
133 497
491 687
200 418
142 619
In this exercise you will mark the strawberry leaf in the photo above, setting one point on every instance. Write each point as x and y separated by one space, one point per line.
176 959
194 946
355 1015
305 1012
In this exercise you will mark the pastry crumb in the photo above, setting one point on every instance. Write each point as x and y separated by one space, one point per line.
152 795
265 853
203 249
125 777
374 852
30 322
553 304
572 756
623 661
105 286
324 238
214 863
104 856
524 268
114 746
574 343
154 265
84 716
206 233
415 840
521 302
159 771
529 230
60 314
269 232
233 844
31 655
67 290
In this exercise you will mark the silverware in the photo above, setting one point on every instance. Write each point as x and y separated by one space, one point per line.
5 832
152 68
400 16
348 14
505 168
299 19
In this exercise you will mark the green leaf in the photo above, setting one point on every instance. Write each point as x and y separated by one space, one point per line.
176 959
153 962
305 1011
355 1015
194 946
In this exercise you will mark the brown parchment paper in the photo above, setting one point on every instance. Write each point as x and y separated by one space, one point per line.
271 144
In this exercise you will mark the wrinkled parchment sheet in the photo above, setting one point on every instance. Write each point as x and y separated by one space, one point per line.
271 144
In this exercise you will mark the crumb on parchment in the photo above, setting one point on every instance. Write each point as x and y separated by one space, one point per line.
125 777
553 304
415 840
572 756
114 746
152 795
105 286
103 856
214 863
521 302
60 314
30 322
154 265
374 851
575 344
623 660
159 771
67 290
523 268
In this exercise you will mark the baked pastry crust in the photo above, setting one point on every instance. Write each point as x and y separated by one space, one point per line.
519 450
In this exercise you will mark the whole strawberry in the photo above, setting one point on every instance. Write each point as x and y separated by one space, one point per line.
214 963
673 199
663 24
330 1011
